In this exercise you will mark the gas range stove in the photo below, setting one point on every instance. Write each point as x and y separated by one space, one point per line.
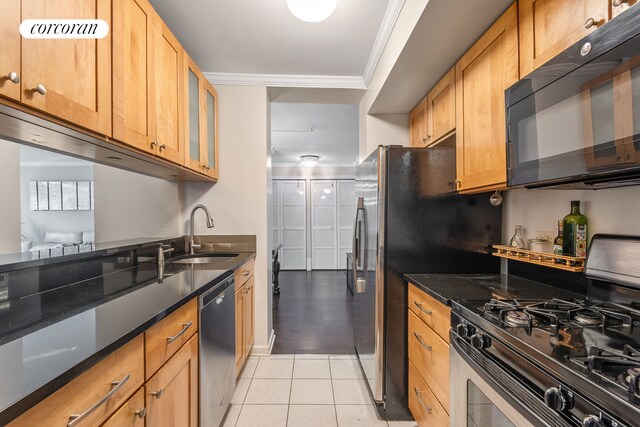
578 359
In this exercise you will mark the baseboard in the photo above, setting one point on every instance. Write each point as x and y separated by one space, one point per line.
260 350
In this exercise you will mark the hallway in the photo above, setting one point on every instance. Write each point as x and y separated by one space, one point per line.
313 313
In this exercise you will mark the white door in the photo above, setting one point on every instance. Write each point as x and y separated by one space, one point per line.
293 196
323 225
346 213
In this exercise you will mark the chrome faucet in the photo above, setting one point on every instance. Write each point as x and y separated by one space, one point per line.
192 245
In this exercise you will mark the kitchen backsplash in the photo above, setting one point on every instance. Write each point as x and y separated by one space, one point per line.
613 211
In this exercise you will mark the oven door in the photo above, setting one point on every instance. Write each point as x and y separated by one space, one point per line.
483 394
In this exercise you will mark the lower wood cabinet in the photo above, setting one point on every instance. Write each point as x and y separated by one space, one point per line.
429 378
131 414
171 395
118 376
244 313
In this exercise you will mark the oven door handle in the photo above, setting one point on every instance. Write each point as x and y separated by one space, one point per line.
516 394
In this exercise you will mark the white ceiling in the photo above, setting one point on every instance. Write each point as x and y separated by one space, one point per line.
327 130
258 37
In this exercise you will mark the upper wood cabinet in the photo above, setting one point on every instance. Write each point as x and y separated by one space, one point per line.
482 76
171 395
441 101
418 124
69 79
10 53
201 103
147 85
547 27
435 115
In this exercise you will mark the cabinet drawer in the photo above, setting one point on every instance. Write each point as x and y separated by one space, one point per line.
422 403
430 354
122 371
165 338
432 312
243 273
131 414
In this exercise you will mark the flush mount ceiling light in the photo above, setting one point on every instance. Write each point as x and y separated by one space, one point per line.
312 10
310 160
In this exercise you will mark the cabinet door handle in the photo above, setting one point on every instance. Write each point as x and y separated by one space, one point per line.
616 3
424 310
426 408
157 394
425 345
141 413
117 385
591 23
185 326
13 77
153 144
40 89
162 147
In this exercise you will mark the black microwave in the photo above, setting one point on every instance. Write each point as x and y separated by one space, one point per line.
575 121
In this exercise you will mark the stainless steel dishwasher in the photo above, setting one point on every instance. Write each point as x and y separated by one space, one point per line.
217 352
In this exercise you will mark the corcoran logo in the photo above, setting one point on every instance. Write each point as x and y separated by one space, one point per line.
64 29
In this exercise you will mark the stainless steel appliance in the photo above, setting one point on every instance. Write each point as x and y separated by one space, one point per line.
570 361
217 352
575 121
409 219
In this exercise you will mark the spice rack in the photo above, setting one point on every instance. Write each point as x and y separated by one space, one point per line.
561 262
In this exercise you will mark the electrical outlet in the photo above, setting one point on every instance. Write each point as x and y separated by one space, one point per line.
545 235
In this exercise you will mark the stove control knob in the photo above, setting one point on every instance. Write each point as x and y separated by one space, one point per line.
480 341
592 421
464 330
558 399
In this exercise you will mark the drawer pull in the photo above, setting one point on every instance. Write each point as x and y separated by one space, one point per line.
157 394
424 310
141 413
117 385
426 408
185 326
427 346
246 273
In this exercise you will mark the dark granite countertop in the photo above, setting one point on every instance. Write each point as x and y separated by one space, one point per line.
71 328
459 287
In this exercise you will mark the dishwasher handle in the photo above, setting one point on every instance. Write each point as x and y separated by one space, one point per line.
217 293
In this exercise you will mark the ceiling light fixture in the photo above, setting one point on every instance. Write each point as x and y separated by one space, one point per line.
310 160
312 10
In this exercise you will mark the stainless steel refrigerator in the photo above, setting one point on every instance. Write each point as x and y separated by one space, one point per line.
409 219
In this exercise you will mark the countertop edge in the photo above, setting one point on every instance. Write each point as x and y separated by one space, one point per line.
16 409
410 279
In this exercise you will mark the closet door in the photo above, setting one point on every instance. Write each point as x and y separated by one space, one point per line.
323 225
293 198
346 212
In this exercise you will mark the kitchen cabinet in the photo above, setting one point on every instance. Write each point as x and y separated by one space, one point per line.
201 153
548 27
118 375
147 85
131 414
166 337
69 79
441 104
418 124
10 53
244 297
429 322
171 395
482 75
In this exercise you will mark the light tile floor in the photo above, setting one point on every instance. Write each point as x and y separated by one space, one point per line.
304 391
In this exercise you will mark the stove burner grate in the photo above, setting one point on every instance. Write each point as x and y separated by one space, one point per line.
517 318
587 317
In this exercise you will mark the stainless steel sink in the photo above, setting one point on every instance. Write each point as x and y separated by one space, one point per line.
204 258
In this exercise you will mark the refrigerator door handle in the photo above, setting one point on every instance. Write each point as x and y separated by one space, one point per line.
357 245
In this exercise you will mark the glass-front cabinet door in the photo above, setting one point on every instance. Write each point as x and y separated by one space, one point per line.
201 131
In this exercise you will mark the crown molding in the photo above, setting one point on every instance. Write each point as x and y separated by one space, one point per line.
286 80
388 22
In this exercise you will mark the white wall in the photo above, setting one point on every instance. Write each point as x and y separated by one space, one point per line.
612 210
129 205
239 202
10 212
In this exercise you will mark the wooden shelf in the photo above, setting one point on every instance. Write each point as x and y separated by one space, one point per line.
561 262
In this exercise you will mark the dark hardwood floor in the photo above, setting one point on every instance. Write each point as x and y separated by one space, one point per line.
313 313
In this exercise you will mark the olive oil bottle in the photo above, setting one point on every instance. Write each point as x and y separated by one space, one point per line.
557 242
575 232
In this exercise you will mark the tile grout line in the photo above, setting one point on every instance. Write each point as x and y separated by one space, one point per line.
333 390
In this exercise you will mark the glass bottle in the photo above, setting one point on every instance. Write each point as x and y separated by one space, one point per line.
575 232
518 240
557 242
